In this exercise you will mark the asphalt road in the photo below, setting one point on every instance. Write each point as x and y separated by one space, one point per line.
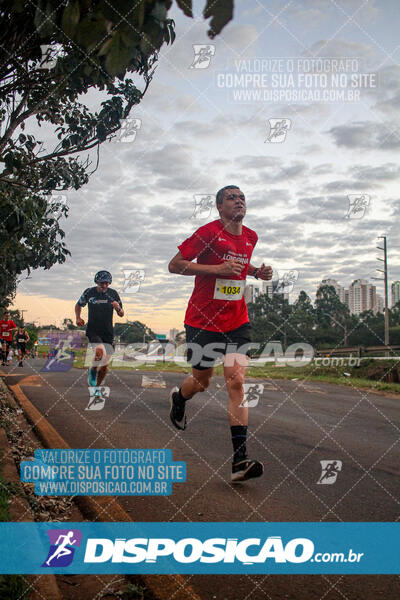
292 428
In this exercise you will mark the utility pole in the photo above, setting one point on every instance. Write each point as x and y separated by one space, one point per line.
22 314
385 280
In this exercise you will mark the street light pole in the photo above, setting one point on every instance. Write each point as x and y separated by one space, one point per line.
385 280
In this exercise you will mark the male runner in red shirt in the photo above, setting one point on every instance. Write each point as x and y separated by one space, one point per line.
7 327
217 316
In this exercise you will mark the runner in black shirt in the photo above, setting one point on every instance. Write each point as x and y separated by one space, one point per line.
22 338
101 301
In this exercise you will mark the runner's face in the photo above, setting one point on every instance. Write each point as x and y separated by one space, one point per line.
102 286
233 205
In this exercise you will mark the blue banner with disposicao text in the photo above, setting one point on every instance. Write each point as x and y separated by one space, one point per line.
197 548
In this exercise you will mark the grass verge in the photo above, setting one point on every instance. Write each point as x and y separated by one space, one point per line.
11 586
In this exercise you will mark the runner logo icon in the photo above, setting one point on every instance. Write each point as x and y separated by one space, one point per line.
252 393
330 470
62 547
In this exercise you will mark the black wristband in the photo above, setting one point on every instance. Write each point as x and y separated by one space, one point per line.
255 273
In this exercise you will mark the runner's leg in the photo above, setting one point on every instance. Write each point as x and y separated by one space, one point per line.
99 353
103 370
238 415
197 382
242 467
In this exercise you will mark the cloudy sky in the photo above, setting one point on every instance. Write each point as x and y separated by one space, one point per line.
199 131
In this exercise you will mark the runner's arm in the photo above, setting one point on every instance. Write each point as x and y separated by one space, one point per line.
78 319
262 272
181 266
251 270
83 300
117 305
118 308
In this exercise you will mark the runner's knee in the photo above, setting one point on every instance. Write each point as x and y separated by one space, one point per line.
99 354
235 381
202 382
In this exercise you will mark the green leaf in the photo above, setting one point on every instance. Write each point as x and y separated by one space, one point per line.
91 34
159 11
70 18
117 57
19 6
44 18
129 37
221 12
105 47
186 7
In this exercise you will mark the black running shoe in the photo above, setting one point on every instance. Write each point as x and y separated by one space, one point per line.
177 412
246 469
20 364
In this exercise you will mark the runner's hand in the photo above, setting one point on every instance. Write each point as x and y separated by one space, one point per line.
80 322
265 272
230 267
115 305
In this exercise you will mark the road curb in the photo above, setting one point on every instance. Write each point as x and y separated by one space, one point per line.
163 587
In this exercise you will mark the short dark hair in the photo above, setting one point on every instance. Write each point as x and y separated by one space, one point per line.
220 194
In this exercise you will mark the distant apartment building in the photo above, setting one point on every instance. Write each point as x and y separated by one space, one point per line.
380 304
267 287
395 292
172 334
360 296
253 290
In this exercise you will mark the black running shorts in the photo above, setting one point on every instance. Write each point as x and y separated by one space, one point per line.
205 347
94 338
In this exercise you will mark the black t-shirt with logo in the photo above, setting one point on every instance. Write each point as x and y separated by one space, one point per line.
21 337
100 321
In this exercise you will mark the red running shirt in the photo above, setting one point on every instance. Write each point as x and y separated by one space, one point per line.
5 333
217 303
